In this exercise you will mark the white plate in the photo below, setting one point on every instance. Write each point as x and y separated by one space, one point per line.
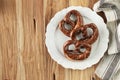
55 39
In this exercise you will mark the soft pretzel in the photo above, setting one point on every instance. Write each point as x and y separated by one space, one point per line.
75 29
88 39
77 23
79 20
76 54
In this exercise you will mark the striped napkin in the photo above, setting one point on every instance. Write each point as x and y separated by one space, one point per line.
109 66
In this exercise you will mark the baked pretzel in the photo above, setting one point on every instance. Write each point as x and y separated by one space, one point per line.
72 24
79 19
76 28
90 39
76 54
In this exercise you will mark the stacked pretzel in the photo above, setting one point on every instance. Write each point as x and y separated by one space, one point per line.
75 29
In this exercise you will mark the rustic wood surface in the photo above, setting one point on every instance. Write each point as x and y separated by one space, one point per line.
23 54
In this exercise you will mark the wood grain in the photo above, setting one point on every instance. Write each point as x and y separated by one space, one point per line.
23 54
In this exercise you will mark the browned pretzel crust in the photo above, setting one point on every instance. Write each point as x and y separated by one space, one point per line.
76 54
88 39
77 23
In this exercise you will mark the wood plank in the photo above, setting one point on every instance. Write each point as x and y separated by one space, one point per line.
8 42
85 3
38 18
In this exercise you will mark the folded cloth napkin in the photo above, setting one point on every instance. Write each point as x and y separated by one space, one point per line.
112 13
109 66
118 30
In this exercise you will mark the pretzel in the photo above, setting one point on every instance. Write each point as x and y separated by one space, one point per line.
76 54
77 28
88 39
77 23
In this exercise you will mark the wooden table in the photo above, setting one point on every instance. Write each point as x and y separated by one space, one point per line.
23 54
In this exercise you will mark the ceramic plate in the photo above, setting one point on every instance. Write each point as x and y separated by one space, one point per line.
55 39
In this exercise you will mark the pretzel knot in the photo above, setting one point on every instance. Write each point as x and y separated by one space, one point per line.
68 23
82 36
80 52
